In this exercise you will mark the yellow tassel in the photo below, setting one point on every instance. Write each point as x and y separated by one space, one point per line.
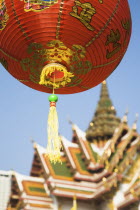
54 141
74 203
55 75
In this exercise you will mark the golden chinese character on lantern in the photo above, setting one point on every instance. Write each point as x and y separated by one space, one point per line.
85 15
114 39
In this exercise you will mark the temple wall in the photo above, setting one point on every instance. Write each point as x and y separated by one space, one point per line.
5 188
66 204
133 206
104 206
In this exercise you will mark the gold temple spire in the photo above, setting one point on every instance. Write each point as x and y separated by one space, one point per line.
104 121
134 126
104 82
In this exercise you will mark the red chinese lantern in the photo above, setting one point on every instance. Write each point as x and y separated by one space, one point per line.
64 45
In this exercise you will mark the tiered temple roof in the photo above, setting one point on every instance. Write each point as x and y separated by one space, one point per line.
104 121
29 193
102 170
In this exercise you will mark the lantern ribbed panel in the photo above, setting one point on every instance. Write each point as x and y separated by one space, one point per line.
24 59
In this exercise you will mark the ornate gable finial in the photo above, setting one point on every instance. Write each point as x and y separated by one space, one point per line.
31 140
124 119
71 123
134 127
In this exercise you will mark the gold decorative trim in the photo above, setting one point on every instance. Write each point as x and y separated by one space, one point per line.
4 16
4 63
37 6
53 69
89 151
59 19
9 56
28 184
94 67
56 52
40 205
105 26
22 80
74 190
18 22
106 64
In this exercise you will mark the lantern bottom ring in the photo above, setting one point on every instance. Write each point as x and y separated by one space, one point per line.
56 75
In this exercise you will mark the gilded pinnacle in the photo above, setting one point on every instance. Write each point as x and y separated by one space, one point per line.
104 121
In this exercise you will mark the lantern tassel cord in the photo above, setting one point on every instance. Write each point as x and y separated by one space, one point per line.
54 141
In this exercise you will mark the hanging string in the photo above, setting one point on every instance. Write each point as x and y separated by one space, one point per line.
28 4
53 83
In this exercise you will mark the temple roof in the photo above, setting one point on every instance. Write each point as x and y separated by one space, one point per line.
72 175
84 162
104 121
30 193
88 169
